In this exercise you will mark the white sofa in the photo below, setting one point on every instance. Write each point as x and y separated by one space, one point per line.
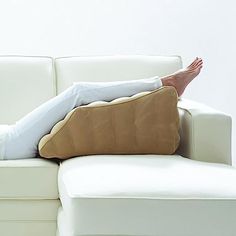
190 193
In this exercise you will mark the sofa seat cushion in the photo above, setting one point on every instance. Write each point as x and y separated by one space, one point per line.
100 194
34 178
141 176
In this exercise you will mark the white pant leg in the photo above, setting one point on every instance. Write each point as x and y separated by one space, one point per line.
107 91
23 137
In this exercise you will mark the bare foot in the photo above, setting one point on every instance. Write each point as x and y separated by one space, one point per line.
181 78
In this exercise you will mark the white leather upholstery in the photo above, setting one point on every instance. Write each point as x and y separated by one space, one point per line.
138 217
3 132
28 197
111 68
30 210
205 133
153 176
28 228
26 82
145 195
34 178
28 217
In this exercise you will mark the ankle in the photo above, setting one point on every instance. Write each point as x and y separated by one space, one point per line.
168 80
172 81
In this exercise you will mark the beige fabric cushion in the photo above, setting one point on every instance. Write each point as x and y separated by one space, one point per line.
145 123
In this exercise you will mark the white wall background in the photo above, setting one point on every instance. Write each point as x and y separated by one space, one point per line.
104 27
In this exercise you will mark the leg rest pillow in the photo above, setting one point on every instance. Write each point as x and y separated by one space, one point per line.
145 123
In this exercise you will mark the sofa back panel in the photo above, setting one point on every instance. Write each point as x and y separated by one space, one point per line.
25 83
111 68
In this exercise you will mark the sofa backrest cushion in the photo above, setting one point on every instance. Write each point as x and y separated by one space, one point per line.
112 68
145 123
25 83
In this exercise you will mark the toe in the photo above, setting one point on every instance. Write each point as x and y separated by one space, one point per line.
193 63
196 69
200 62
196 61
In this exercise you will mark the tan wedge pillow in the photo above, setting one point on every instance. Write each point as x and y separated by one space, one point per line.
145 123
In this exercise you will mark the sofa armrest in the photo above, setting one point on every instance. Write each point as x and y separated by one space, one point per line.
205 133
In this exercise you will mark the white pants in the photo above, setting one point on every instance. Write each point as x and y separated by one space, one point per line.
22 138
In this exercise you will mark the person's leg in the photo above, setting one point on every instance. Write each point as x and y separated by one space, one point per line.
23 137
107 91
